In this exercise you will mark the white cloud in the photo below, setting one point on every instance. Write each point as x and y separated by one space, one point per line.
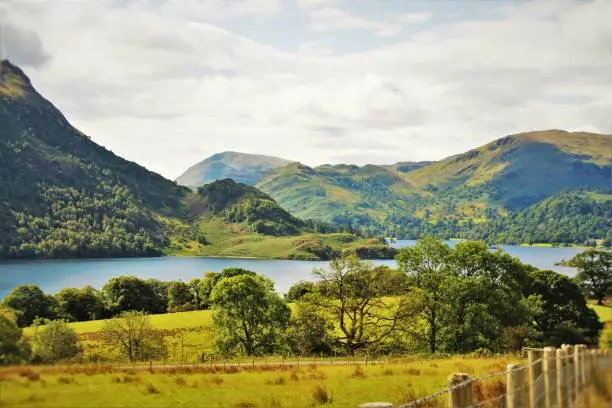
411 18
168 88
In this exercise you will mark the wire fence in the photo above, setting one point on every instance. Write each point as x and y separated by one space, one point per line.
552 378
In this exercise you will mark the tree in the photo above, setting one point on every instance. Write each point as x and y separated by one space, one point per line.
594 273
429 265
299 290
56 341
29 302
311 331
486 309
128 293
353 293
132 335
248 315
564 315
200 291
180 297
13 346
77 305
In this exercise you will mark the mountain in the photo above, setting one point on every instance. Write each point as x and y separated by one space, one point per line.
234 219
238 203
498 179
64 196
241 167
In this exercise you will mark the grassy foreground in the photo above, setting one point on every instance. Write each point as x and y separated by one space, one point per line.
278 386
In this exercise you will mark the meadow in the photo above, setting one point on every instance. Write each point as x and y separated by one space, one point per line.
237 387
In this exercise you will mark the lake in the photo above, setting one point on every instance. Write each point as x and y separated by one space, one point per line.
53 275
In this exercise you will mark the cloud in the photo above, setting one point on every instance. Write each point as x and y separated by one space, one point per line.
411 18
325 16
22 46
167 88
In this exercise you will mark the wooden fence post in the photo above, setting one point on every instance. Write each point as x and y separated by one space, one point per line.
516 392
562 399
550 380
583 364
460 397
576 371
535 370
569 373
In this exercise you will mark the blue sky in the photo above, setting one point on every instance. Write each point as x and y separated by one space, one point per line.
167 83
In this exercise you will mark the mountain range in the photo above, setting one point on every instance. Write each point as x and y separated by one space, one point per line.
470 195
64 196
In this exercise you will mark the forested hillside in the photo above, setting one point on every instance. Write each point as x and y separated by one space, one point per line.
61 195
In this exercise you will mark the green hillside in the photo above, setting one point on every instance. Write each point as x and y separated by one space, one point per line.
63 196
241 167
485 184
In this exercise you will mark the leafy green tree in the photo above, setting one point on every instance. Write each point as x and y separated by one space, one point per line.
594 273
56 341
77 305
29 302
352 293
564 315
248 315
180 297
159 302
128 293
13 346
132 335
429 264
299 290
200 290
486 305
311 331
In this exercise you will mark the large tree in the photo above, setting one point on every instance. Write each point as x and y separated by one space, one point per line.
429 264
77 305
564 315
13 347
353 293
125 293
132 335
594 273
248 315
180 298
29 303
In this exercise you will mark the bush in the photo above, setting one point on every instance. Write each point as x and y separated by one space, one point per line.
56 341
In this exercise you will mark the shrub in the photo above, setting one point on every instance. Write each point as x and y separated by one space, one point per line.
321 396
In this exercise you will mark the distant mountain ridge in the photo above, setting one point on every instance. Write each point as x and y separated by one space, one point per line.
240 167
502 177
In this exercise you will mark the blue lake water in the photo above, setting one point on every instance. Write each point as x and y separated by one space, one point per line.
53 275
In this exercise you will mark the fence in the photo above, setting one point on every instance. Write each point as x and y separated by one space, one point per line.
552 378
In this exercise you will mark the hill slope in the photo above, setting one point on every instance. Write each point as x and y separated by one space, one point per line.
409 199
61 195
241 167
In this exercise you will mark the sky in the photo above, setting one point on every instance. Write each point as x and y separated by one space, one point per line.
167 83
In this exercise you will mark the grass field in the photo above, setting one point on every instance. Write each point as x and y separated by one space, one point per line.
188 335
286 386
604 312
